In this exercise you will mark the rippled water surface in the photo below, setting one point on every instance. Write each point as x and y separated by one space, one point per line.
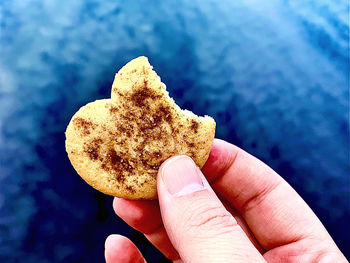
274 75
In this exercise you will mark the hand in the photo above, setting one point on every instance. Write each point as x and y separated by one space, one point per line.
241 211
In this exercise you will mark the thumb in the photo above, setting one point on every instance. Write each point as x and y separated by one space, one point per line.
197 223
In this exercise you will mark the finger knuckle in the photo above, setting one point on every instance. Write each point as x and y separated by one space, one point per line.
211 218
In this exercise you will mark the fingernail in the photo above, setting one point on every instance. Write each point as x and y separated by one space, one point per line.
181 176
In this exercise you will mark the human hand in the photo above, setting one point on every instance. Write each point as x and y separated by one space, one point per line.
246 213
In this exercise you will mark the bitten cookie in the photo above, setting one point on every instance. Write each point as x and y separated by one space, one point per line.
117 145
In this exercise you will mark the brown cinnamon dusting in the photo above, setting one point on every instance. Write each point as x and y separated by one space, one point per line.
113 110
140 96
130 189
92 149
114 162
194 126
166 112
190 144
83 125
126 129
192 155
157 154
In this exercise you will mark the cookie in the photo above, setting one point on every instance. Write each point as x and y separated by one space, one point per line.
117 145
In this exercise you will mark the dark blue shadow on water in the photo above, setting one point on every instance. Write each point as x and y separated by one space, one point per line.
273 74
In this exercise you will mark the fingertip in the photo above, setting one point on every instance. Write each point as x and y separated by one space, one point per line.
115 204
113 246
221 157
143 215
129 210
110 240
120 249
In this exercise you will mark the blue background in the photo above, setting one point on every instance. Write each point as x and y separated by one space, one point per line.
273 74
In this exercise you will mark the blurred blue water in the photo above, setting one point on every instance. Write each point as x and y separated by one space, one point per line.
274 74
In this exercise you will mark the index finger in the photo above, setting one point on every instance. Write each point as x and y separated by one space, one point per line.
273 210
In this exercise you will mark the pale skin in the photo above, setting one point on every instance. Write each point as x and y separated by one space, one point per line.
237 209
